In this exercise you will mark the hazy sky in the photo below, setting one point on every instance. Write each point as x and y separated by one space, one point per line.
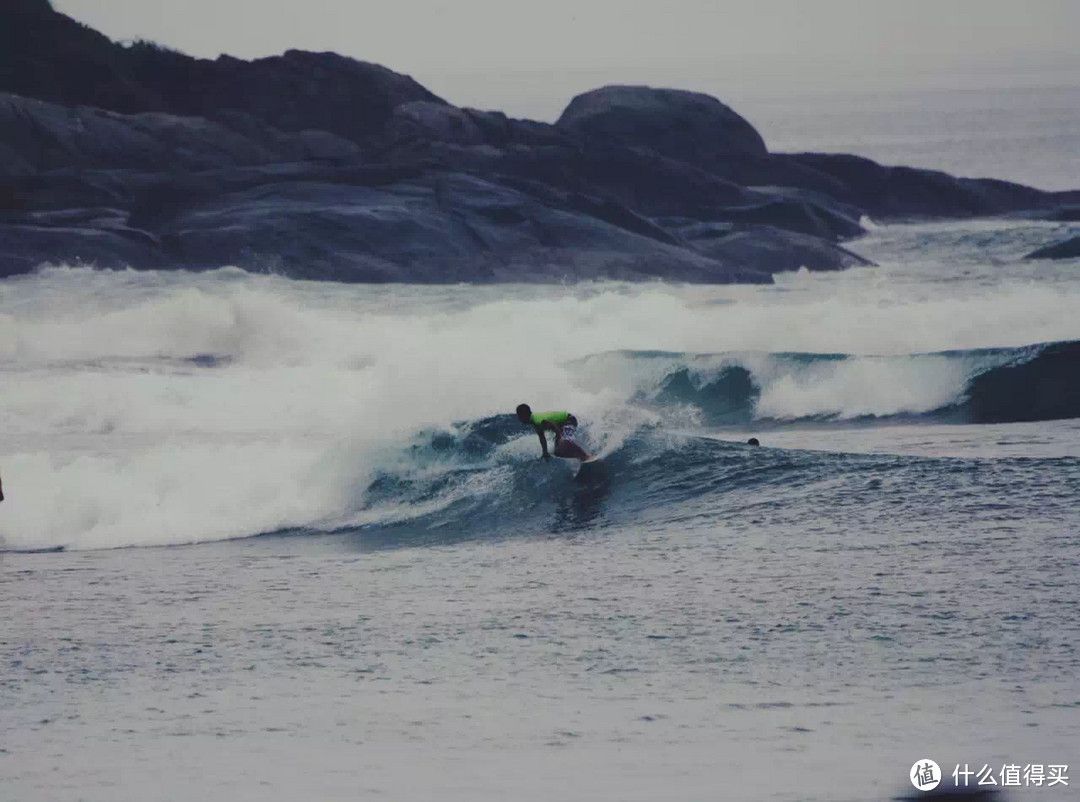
530 58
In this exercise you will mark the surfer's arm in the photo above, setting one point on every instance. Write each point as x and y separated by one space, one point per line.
543 440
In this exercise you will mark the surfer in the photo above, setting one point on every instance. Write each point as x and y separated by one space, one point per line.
1 489
563 424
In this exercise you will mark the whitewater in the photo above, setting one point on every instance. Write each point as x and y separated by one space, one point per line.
163 408
268 539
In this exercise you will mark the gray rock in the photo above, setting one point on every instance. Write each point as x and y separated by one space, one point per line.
646 182
49 56
25 247
765 247
906 192
1069 249
782 170
1066 214
46 136
326 167
687 126
424 120
297 91
67 189
434 229
801 216
501 131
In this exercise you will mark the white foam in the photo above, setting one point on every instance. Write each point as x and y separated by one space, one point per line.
111 438
859 387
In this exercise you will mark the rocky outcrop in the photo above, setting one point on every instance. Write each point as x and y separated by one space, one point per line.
886 192
795 215
906 192
51 57
42 137
424 121
155 190
1069 249
361 225
771 249
321 166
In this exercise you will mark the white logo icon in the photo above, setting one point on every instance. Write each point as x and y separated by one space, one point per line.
925 774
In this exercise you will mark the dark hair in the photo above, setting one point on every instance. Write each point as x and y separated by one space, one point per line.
753 441
523 411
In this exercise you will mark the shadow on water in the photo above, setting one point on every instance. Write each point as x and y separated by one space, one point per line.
583 508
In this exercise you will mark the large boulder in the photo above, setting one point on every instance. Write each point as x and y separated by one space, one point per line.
687 126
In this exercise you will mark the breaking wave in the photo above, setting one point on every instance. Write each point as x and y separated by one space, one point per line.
991 385
145 409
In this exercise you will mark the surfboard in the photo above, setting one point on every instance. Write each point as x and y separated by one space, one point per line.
590 470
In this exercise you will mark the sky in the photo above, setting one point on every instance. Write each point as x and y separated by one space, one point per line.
529 59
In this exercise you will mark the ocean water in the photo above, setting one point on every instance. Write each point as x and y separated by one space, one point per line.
267 539
1029 135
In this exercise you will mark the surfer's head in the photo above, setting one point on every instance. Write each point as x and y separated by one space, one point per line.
753 441
524 414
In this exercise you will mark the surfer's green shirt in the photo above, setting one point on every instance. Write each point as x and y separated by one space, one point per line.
555 418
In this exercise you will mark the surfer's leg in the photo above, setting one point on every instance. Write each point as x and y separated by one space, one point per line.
565 446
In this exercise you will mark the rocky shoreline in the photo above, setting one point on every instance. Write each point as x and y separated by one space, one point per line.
317 166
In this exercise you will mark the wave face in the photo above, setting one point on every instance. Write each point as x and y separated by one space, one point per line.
143 409
480 482
993 385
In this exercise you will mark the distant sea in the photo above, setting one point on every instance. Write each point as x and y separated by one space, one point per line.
1028 135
